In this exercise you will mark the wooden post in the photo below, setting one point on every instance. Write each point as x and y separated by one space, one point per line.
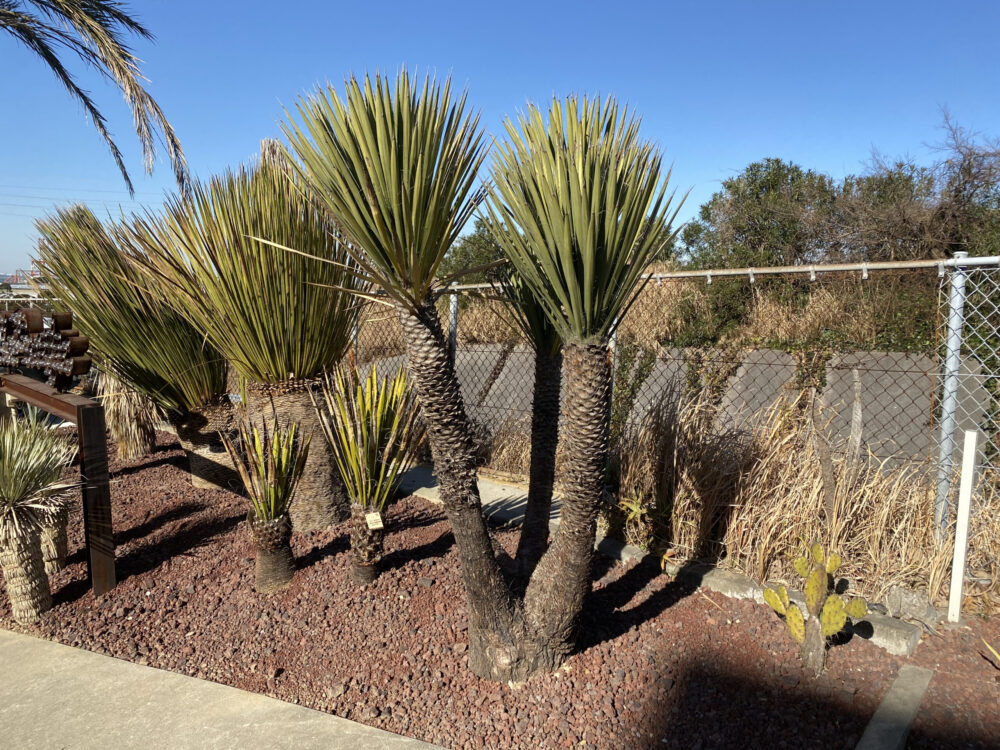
96 497
89 418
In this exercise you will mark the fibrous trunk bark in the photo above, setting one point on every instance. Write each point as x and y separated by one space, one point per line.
510 640
542 471
320 499
198 432
275 565
24 572
367 546
53 540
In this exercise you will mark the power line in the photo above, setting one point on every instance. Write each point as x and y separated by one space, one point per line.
77 189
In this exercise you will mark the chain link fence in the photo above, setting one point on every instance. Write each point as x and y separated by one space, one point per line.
754 411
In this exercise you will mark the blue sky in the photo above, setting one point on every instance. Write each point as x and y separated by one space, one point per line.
718 84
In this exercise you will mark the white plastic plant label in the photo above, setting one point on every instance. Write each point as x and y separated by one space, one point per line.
374 521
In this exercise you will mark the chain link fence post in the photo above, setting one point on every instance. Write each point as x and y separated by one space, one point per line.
949 399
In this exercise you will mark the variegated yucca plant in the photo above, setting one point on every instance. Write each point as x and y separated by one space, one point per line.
827 610
270 461
371 426
32 505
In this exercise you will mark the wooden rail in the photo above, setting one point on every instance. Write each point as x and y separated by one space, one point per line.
88 416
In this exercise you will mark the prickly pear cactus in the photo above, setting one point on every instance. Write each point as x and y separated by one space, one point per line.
828 611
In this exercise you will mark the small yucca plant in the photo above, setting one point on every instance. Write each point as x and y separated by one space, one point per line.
32 502
130 414
371 427
270 461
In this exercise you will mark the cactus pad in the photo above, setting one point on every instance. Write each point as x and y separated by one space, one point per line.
857 608
815 590
832 563
817 553
796 624
802 566
833 617
774 600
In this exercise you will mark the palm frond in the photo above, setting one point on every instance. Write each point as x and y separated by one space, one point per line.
135 335
396 167
95 32
578 205
275 315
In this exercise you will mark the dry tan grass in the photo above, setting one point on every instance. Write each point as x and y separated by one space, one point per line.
752 502
130 416
853 316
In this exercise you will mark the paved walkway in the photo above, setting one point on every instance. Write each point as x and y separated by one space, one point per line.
54 697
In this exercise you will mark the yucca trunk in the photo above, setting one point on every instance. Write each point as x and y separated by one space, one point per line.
24 572
367 547
320 500
53 540
198 432
275 565
544 438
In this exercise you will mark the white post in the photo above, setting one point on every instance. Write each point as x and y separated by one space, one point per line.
962 525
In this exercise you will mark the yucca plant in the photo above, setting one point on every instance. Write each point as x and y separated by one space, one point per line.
270 461
396 165
32 500
370 425
131 416
135 335
529 316
280 318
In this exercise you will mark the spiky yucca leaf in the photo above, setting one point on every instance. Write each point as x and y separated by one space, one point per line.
527 312
269 461
134 333
395 166
371 428
131 416
32 459
579 208
275 315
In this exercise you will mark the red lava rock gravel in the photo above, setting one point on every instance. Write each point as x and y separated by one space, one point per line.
660 665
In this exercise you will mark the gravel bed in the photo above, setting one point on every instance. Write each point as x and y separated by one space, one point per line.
660 665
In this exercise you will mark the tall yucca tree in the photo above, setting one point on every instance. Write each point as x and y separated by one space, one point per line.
577 204
96 32
530 317
280 318
396 166
139 339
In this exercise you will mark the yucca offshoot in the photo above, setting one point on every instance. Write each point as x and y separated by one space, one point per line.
270 461
32 497
370 425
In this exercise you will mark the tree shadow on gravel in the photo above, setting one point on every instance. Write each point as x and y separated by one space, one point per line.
72 591
178 461
147 527
337 545
605 616
438 548
152 555
702 707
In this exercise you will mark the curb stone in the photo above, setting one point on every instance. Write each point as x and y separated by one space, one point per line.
888 728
